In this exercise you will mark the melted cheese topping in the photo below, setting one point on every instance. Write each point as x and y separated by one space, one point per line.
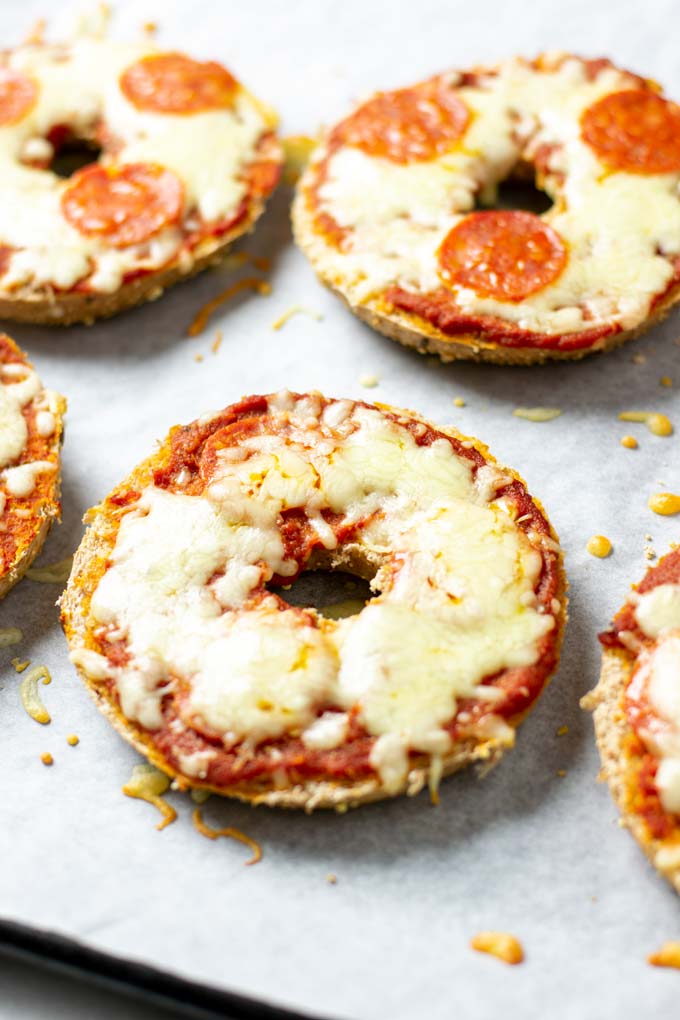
615 225
21 393
79 87
657 614
456 581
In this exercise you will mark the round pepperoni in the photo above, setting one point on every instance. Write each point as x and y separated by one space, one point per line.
123 204
636 130
502 254
173 83
18 95
410 125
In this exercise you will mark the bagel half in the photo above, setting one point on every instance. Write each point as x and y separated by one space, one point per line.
300 784
630 761
388 212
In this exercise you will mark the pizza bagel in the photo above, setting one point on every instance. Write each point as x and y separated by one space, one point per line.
30 463
393 210
177 619
187 158
636 710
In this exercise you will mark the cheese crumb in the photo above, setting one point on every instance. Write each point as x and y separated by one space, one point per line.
459 402
562 731
19 665
630 442
561 773
72 740
537 413
332 879
667 956
500 944
664 503
639 359
666 380
600 546
368 381
217 342
47 758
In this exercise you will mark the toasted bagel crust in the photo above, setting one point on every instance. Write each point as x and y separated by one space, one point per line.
388 210
89 565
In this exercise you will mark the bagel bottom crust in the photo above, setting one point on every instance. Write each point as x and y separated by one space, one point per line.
69 308
411 331
96 546
612 731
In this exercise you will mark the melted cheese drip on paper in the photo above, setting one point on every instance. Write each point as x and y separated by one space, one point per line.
614 224
79 85
657 613
456 605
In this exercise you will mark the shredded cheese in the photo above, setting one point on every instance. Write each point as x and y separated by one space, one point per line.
30 695
217 342
228 833
296 149
19 665
537 413
10 636
54 573
658 424
295 310
500 944
149 783
248 283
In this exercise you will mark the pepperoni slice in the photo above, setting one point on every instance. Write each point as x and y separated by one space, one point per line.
636 131
409 125
173 83
502 254
123 204
18 95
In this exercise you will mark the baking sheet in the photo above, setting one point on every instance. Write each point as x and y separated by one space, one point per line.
527 850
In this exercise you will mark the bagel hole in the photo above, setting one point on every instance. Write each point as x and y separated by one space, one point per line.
73 154
518 191
334 594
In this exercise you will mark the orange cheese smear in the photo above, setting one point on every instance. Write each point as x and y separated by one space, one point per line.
500 944
229 833
148 783
248 283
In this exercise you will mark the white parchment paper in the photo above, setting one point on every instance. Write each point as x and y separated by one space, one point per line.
526 851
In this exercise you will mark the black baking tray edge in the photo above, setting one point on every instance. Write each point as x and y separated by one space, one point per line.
65 955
